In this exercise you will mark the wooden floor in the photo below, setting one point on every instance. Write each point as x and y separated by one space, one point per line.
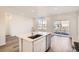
12 45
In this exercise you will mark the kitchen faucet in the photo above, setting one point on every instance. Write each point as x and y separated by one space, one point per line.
32 31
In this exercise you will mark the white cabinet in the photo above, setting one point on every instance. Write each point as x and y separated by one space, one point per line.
40 45
27 46
61 44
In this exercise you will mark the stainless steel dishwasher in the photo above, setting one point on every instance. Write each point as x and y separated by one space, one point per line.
48 42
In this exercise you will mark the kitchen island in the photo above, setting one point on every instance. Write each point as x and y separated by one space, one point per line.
30 44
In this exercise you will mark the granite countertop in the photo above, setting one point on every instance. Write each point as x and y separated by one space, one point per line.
25 36
61 34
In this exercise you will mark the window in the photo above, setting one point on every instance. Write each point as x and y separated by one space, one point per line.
61 26
41 23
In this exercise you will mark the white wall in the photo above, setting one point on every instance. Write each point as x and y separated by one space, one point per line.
7 17
2 28
19 24
78 27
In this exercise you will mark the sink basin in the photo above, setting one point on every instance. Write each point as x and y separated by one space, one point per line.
35 36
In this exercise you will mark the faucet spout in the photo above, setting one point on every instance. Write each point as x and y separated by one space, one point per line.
32 31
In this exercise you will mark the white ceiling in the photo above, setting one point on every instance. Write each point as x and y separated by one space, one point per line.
32 11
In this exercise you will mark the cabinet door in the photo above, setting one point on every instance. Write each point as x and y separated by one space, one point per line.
40 45
27 46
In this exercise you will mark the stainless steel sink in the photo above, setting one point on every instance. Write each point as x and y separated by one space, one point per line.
35 36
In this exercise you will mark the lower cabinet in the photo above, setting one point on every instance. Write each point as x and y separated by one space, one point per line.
40 45
27 46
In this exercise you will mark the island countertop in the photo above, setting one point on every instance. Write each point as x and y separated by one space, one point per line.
25 36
